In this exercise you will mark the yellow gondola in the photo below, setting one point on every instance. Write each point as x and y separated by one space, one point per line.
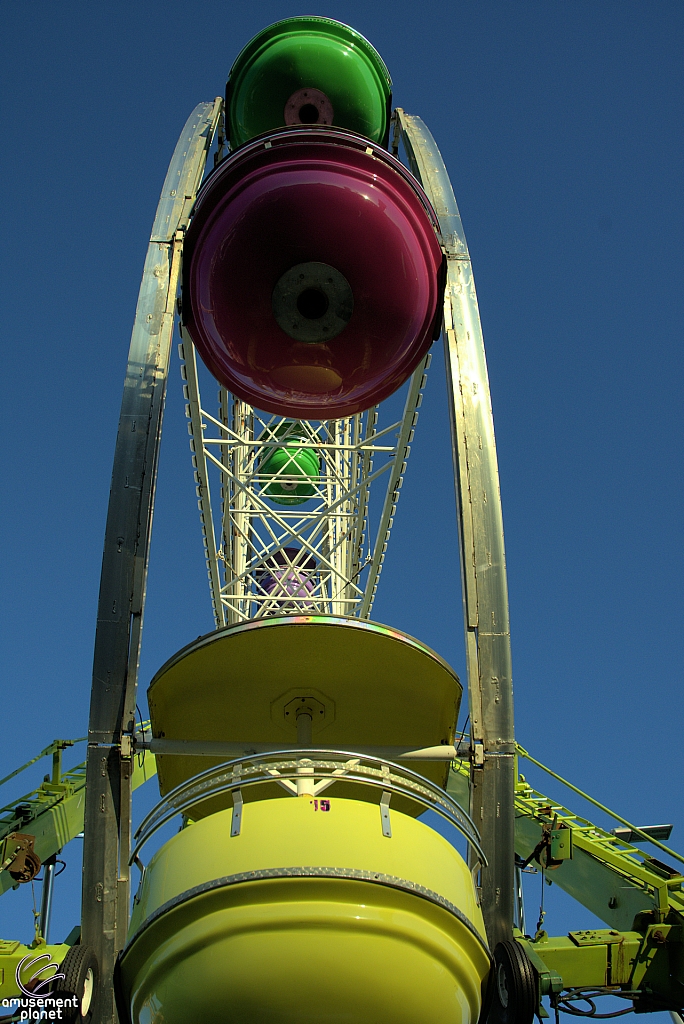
278 903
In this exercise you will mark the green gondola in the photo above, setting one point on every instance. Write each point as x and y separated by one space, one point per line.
289 472
308 71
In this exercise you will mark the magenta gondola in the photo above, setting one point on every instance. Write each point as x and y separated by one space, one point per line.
312 274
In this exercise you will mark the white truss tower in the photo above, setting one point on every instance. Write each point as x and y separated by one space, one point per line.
326 542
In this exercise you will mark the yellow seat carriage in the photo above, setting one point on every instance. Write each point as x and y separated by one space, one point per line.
303 885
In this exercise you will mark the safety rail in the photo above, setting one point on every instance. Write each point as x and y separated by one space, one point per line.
307 774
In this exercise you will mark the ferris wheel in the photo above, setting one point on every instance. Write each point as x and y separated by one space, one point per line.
310 271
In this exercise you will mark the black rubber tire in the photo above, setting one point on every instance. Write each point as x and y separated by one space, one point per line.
513 991
81 979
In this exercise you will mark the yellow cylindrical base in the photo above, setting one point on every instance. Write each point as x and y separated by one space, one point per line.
309 916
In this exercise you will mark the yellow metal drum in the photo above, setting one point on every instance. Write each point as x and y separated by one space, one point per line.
309 916
298 909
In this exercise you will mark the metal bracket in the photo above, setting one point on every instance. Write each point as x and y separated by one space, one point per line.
19 858
236 820
560 843
385 815
141 868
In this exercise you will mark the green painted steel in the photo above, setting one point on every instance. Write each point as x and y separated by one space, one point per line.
640 898
308 53
619 883
11 954
641 902
644 966
53 812
602 866
593 958
647 836
289 472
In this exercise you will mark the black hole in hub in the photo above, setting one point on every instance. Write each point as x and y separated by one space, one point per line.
308 113
312 304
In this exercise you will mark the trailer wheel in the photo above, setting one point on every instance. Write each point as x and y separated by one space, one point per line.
81 976
513 988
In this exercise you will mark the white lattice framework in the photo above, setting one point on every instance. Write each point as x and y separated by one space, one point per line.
339 546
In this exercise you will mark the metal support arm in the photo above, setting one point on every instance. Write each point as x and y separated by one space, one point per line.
483 567
125 560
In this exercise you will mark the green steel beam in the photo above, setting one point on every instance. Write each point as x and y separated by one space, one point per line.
53 812
610 877
11 954
639 897
594 958
619 883
649 964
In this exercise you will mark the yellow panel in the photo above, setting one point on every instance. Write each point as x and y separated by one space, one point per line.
372 686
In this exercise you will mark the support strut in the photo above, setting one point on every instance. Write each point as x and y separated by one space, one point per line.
483 566
125 561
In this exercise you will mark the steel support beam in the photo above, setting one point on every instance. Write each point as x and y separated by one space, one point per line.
483 567
125 560
46 896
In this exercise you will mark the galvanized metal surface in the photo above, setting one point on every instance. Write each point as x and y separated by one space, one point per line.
199 464
46 894
485 591
200 748
403 450
614 879
125 559
127 544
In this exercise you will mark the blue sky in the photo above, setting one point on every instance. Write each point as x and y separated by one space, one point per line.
561 126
